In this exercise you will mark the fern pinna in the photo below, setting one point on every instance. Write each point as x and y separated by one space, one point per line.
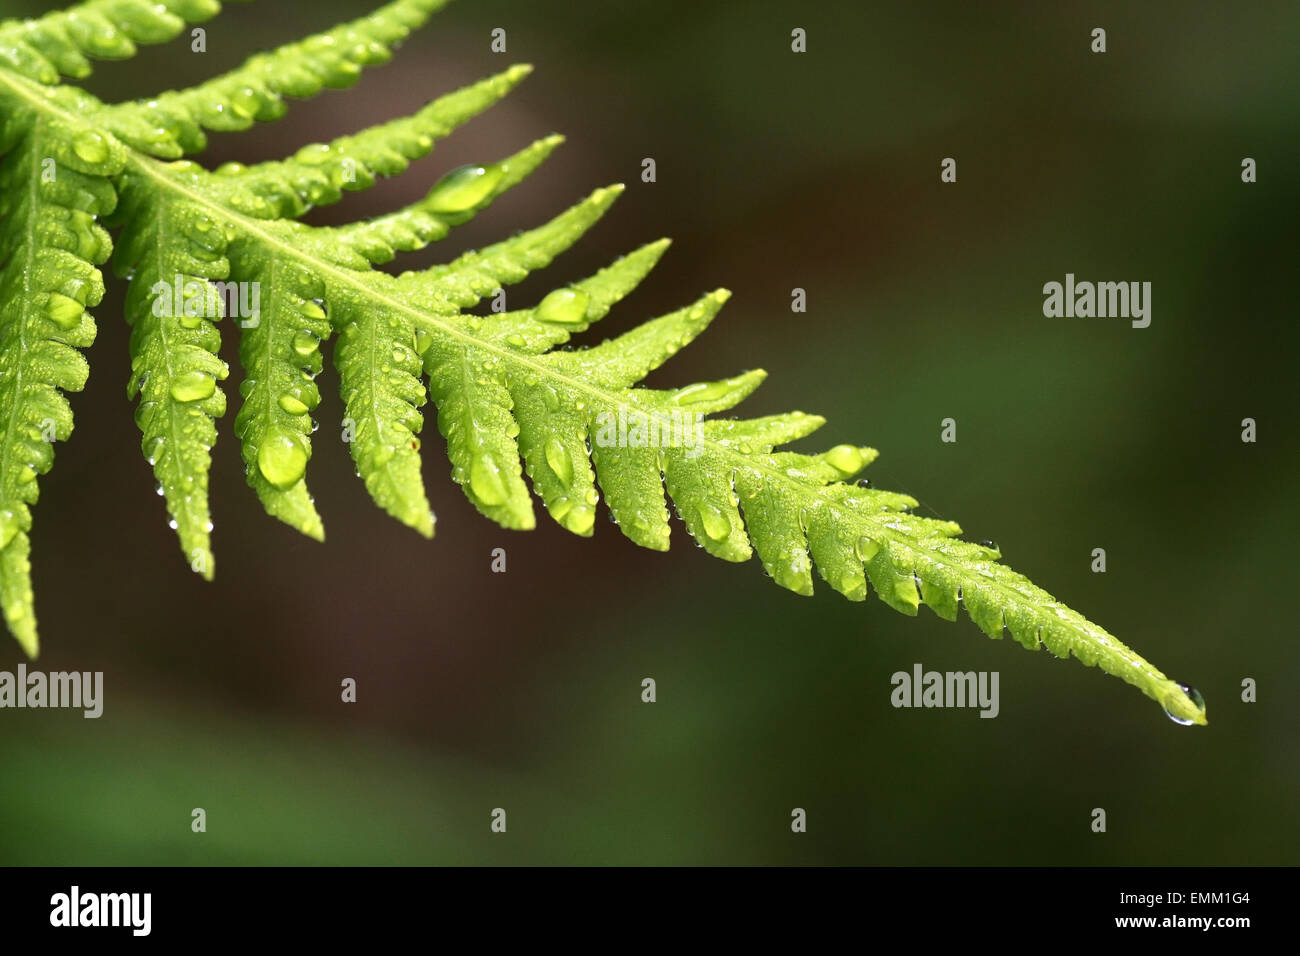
508 401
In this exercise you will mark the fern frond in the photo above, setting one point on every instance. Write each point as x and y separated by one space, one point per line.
318 173
62 43
510 400
53 185
171 124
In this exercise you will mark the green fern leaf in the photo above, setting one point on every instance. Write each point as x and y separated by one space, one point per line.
61 43
522 413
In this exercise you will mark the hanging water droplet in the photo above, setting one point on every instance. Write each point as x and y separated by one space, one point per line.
1178 711
564 306
559 460
422 341
172 524
462 189
192 386
91 147
312 308
282 458
864 482
158 489
485 481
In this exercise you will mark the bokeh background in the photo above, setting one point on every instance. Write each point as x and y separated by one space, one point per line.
522 690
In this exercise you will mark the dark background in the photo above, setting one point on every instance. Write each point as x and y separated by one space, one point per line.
775 170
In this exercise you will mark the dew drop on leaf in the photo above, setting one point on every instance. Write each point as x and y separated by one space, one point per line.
192 386
464 188
715 523
91 147
304 343
559 460
485 481
282 458
703 392
845 458
865 548
564 306
63 311
291 401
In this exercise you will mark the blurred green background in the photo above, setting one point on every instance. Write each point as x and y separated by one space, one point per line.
522 690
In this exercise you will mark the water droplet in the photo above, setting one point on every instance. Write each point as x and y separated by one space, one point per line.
580 520
485 481
703 392
715 523
291 401
304 343
559 460
864 482
245 102
312 309
1182 717
422 341
565 306
91 147
193 386
63 311
158 489
551 398
845 458
462 189
517 340
865 548
282 458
